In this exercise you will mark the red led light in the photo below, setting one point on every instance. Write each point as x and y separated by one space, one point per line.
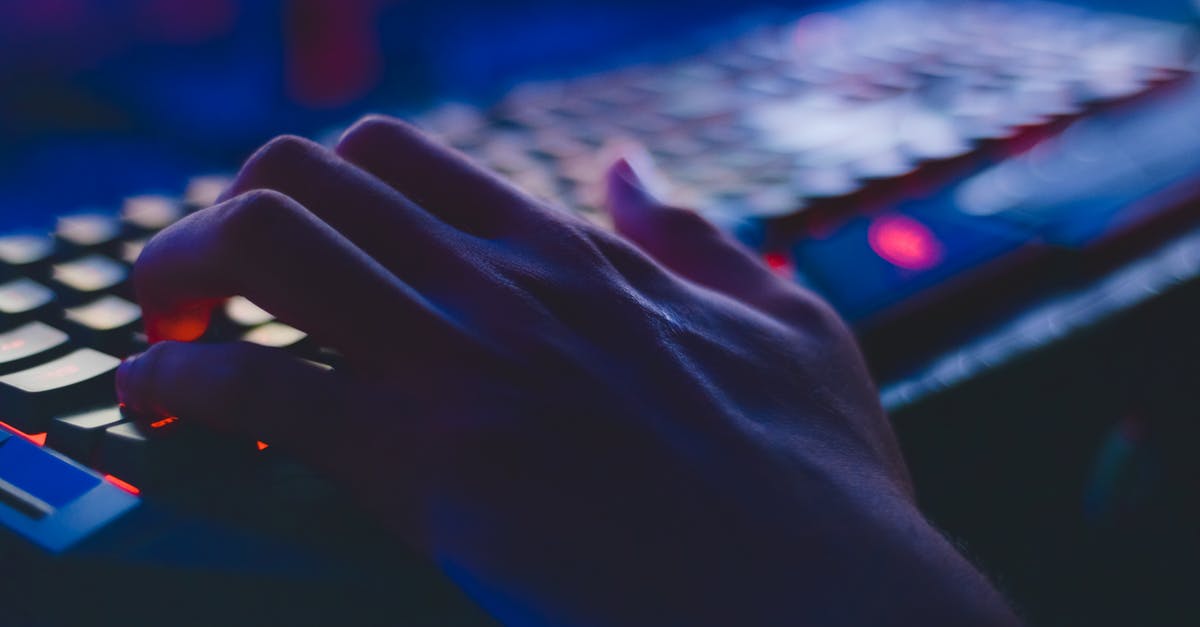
158 424
37 438
778 262
904 242
262 446
124 485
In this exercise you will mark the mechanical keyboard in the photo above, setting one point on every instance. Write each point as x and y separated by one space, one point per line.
934 170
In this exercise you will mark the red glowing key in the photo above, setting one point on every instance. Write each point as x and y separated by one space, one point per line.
778 263
904 242
158 424
124 485
37 438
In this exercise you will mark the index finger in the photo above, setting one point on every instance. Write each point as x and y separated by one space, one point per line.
265 246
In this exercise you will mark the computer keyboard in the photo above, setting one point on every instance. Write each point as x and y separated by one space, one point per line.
825 143
932 169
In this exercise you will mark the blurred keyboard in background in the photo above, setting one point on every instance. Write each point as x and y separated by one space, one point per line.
829 143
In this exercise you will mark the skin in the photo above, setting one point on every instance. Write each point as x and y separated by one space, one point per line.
579 427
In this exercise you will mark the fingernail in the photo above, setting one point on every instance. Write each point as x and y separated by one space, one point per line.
635 179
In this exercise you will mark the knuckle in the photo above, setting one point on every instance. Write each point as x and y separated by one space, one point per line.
257 211
285 149
366 129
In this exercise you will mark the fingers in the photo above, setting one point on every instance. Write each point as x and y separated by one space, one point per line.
265 246
375 217
259 392
685 242
438 178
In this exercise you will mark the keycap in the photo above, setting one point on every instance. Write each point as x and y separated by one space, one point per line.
151 212
36 482
88 276
202 191
165 451
23 299
244 313
132 249
30 398
77 435
88 231
107 323
25 254
23 346
276 335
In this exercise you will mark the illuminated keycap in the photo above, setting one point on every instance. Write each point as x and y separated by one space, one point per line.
107 323
22 298
275 335
88 230
244 313
78 434
23 250
29 398
89 275
151 212
31 341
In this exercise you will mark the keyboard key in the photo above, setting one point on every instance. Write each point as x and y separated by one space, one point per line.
132 249
89 276
276 335
77 435
25 254
23 299
51 480
29 343
151 212
88 231
107 323
29 398
244 313
202 191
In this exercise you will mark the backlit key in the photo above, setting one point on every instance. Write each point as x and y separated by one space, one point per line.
89 276
132 249
25 253
151 212
78 434
88 231
29 398
29 343
108 323
244 313
276 335
22 299
203 191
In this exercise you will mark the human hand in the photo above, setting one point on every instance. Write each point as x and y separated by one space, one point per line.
577 430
